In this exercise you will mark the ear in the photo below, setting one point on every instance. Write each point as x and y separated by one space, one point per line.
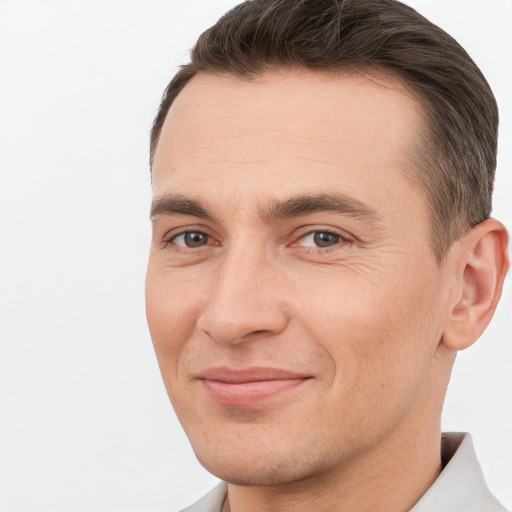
481 263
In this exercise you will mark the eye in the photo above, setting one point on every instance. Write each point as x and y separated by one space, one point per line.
190 239
320 239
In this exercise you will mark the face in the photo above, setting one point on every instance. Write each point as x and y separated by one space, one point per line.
293 297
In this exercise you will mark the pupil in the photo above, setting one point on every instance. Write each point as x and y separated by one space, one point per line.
195 239
325 239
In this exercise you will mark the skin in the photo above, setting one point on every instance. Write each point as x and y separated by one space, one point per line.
369 317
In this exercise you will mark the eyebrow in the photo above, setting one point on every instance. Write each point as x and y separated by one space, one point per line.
308 204
297 206
171 204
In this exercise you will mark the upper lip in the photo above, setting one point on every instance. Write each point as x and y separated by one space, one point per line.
254 374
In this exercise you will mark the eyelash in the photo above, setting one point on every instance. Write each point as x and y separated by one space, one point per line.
170 240
342 240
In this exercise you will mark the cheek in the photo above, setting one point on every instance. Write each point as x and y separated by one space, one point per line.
380 332
172 308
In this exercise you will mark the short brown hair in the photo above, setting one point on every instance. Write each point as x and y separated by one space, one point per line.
456 160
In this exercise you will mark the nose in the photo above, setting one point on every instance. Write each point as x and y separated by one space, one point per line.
246 301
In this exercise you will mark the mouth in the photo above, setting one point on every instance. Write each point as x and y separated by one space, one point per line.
248 387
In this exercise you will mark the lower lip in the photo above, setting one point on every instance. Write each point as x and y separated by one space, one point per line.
247 394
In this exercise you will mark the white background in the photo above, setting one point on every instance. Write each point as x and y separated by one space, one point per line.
84 420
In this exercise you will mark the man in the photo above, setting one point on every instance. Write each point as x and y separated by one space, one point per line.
322 175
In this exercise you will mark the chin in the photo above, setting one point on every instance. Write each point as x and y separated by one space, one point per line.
265 476
264 469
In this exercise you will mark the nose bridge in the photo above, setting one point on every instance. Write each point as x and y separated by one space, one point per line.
244 299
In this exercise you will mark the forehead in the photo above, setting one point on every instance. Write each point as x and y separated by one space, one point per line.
283 130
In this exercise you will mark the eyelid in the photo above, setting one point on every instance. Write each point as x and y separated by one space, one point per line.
345 238
184 234
172 234
297 237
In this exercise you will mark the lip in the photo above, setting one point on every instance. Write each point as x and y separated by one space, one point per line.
248 387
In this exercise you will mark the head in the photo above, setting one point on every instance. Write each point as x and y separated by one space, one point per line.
322 173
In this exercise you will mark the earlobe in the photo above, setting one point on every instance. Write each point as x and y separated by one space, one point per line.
482 264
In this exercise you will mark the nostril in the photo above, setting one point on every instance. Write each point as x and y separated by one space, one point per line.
256 334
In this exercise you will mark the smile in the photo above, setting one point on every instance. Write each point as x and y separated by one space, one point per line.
245 388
